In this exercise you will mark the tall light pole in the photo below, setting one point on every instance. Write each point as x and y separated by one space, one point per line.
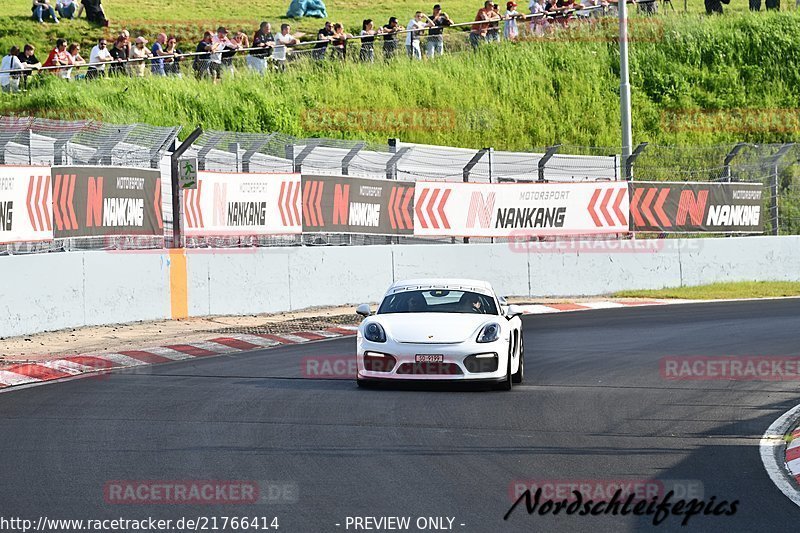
624 81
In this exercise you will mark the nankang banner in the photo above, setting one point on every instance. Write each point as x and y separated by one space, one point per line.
98 201
227 203
26 209
335 204
697 207
516 209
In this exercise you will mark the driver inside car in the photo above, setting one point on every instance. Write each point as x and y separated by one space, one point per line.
416 303
471 303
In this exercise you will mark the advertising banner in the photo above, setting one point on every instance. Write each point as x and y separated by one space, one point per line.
100 201
226 203
515 209
697 207
26 207
337 204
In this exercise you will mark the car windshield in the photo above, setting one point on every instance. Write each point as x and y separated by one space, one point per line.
438 301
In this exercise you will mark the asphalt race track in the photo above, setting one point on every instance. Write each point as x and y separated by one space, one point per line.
594 407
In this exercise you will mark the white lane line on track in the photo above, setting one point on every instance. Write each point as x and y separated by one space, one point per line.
773 456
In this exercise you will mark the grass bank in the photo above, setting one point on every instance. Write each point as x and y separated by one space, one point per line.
721 291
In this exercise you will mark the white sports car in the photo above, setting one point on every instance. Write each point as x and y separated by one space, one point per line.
441 329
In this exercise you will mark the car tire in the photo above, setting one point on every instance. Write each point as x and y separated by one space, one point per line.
507 381
363 383
519 375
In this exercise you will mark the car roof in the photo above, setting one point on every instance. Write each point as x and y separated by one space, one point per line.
472 285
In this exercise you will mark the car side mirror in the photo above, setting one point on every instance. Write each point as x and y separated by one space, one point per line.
363 310
512 311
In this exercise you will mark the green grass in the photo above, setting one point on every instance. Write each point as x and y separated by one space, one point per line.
720 291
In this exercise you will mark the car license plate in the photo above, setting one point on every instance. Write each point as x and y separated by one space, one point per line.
426 358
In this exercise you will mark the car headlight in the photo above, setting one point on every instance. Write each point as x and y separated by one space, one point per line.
489 333
374 332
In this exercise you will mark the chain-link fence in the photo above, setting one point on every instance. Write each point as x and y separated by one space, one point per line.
31 141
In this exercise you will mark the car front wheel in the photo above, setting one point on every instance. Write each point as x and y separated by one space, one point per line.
519 375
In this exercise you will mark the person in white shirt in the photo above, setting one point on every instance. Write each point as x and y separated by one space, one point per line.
99 56
282 40
9 81
414 28
539 23
219 43
510 29
74 52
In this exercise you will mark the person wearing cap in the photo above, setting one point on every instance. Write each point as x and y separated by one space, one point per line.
390 38
483 18
435 43
510 28
138 57
219 43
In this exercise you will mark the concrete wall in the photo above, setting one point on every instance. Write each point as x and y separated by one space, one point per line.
52 291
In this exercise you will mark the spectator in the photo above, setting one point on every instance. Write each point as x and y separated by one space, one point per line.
240 41
202 61
66 8
510 29
157 50
539 22
282 40
435 43
172 63
339 40
139 55
368 33
493 32
119 53
95 13
98 57
8 81
40 8
772 4
324 37
126 39
29 62
415 28
58 57
755 5
74 52
390 38
715 6
222 47
263 42
477 34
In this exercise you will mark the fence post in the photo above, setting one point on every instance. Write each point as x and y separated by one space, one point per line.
304 153
234 149
391 164
549 152
209 145
631 159
349 157
177 233
465 172
728 158
255 147
393 144
774 161
289 152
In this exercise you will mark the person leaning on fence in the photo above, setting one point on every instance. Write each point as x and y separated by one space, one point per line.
157 64
539 21
339 41
510 28
202 61
434 45
139 54
493 32
98 57
324 37
263 42
219 45
29 62
42 8
368 33
477 34
119 53
58 57
390 38
10 81
239 41
74 51
414 33
172 63
282 41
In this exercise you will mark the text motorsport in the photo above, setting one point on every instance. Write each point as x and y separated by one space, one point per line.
659 508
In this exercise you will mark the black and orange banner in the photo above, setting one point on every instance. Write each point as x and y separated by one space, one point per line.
99 201
338 204
697 207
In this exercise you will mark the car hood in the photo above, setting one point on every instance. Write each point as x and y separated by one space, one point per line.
434 328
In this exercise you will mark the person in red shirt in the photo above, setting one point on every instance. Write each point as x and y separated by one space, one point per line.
58 56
